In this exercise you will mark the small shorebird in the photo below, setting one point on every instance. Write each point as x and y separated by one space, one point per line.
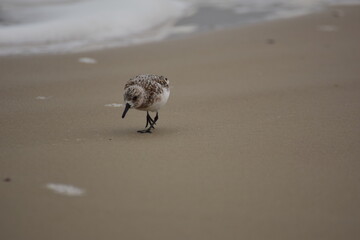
146 93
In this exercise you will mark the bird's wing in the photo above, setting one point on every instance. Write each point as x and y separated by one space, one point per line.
163 81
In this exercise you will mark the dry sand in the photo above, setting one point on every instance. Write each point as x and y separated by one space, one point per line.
260 138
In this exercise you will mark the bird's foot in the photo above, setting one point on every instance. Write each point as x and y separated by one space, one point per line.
148 130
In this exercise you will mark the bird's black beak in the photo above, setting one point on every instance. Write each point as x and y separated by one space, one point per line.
127 107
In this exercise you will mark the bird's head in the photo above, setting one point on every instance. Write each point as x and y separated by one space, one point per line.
133 98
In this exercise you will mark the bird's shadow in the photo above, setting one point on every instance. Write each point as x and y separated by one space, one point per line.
133 132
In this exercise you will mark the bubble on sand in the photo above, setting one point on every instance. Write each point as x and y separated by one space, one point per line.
64 189
113 105
328 28
87 60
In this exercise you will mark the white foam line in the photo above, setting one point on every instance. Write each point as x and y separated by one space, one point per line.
42 97
64 189
184 29
113 105
87 60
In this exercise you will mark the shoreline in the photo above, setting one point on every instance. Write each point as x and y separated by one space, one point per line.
187 27
259 139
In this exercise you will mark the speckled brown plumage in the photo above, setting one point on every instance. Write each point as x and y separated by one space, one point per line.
153 86
146 92
147 80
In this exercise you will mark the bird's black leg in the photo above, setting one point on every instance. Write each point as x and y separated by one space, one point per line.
156 117
150 121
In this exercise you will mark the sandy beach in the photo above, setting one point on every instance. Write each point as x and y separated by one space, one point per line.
260 138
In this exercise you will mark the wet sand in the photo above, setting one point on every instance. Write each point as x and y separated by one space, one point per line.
260 138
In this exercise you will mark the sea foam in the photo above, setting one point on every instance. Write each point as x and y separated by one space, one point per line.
60 26
64 189
36 26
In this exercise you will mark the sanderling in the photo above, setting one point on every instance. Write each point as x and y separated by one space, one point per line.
146 93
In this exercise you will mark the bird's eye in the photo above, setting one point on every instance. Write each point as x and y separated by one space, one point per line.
135 98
